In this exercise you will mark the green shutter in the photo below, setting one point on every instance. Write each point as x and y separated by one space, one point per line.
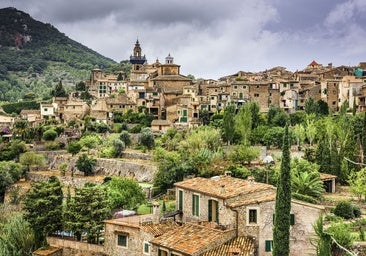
193 204
217 212
292 219
159 252
197 205
255 216
180 203
273 218
146 247
209 210
268 245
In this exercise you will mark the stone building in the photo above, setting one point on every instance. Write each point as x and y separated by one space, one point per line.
246 207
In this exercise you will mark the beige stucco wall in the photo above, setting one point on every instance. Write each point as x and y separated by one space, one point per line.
133 245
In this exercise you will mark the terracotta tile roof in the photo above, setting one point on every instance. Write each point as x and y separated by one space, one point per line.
243 246
171 78
190 238
223 186
255 199
326 176
159 229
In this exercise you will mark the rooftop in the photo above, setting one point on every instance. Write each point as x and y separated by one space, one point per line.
190 238
223 186
242 246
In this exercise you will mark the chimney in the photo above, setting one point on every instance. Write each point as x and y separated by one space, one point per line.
156 212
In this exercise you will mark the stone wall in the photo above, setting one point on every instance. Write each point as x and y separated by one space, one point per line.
74 248
136 165
74 182
51 251
359 248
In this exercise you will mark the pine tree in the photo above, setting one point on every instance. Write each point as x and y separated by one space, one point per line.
86 211
43 206
228 123
281 231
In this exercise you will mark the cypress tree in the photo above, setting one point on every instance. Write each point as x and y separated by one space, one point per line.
281 231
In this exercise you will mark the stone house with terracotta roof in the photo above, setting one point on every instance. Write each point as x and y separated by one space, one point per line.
214 216
247 207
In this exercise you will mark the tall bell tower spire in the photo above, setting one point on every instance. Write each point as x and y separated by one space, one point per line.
137 60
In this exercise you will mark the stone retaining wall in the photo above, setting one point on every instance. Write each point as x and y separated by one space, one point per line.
139 170
74 182
359 248
75 248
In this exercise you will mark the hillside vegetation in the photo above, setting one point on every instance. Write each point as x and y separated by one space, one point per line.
34 56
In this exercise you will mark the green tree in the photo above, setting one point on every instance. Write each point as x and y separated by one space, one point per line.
357 183
171 168
86 164
243 154
126 138
43 208
322 241
228 123
307 183
299 132
59 90
90 141
281 230
21 128
125 193
243 123
310 131
146 138
16 237
86 211
74 147
49 135
30 158
10 172
305 178
12 150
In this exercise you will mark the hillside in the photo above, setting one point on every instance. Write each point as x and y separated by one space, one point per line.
34 56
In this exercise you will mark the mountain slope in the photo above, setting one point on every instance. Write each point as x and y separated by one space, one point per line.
35 55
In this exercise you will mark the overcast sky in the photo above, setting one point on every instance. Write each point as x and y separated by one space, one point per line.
213 38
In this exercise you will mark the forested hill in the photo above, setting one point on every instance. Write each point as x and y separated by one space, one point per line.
35 55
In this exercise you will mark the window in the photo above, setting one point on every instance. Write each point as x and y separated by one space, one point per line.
146 248
180 200
256 94
122 240
195 205
162 253
268 245
213 210
45 109
252 218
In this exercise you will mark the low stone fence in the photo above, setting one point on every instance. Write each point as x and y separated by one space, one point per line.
359 248
135 165
75 248
74 182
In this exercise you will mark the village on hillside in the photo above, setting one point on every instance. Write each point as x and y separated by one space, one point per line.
176 100
225 212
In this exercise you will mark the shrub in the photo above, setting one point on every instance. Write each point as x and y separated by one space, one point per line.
305 198
356 211
49 135
55 145
345 210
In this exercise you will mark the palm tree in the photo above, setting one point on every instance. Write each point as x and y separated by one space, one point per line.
307 183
